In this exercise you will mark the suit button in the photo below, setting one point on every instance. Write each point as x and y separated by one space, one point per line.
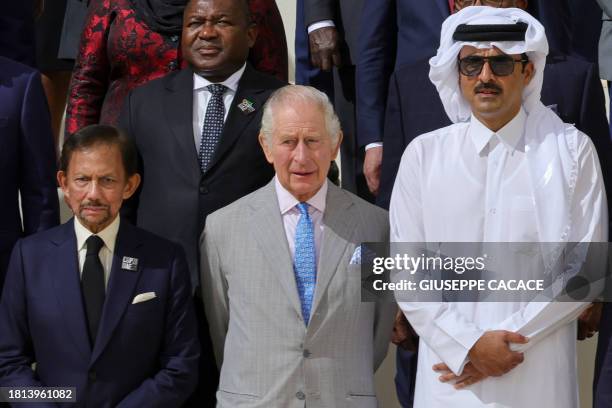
306 353
173 65
300 395
203 190
92 376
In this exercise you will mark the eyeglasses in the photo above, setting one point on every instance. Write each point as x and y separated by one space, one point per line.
501 65
459 4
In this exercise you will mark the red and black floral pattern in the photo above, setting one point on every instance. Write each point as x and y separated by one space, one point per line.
118 52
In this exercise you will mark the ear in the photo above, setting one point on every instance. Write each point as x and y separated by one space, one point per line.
529 72
252 32
266 149
130 187
62 181
337 147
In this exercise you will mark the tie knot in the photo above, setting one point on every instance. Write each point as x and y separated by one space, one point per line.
94 244
216 89
303 207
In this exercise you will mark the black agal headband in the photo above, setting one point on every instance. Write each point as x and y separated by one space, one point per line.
490 32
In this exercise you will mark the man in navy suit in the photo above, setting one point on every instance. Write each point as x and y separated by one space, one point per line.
27 159
393 33
97 303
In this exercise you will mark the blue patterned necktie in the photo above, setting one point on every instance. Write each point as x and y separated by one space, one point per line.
213 125
304 263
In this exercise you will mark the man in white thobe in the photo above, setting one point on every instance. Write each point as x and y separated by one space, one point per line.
507 170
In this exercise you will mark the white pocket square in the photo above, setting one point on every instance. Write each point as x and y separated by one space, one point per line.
356 258
143 297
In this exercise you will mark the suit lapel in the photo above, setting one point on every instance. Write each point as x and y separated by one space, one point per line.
249 98
121 285
270 234
68 287
179 116
336 236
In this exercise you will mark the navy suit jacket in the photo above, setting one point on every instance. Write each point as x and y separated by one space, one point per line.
27 158
571 88
145 354
393 33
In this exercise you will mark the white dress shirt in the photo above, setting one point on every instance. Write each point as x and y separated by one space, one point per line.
108 235
201 96
291 214
465 183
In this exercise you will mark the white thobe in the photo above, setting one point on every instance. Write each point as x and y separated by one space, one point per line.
465 183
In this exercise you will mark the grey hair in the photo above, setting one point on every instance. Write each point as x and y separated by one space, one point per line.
288 95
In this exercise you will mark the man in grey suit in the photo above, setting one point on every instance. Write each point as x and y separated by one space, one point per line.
281 273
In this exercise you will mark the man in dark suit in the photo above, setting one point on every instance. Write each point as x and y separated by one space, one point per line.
97 303
333 26
393 33
27 158
196 131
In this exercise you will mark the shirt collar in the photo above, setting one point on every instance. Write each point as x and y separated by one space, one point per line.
199 82
286 200
108 234
509 135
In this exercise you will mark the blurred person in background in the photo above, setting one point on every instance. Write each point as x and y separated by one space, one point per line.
57 32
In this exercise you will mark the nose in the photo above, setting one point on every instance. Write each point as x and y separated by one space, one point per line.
486 73
93 192
300 154
207 31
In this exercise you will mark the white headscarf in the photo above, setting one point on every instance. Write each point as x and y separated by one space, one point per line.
551 145
444 72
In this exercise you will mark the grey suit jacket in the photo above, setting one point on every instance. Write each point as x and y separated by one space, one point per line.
268 357
605 40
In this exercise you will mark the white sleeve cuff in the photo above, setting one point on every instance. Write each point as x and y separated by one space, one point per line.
373 145
320 24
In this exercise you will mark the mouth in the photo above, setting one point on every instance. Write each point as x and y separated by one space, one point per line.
488 91
302 174
92 209
208 51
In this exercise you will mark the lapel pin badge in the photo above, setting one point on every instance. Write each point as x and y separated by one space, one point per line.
130 264
246 106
